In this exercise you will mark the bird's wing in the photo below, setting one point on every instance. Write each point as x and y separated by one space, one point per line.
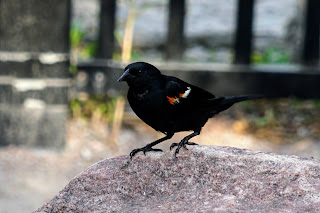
176 91
181 93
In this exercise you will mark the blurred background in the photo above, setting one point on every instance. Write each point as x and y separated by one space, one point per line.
61 109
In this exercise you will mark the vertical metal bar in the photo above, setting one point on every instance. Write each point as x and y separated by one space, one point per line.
106 28
243 37
175 37
310 52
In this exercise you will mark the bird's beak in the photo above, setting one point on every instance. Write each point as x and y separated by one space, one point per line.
124 76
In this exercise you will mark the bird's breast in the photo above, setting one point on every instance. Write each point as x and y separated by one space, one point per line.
150 108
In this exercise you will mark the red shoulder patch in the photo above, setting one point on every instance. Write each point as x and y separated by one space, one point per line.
173 100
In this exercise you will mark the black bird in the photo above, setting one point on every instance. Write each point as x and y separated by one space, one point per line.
170 105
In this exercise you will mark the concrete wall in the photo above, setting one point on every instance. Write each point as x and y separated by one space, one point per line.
34 76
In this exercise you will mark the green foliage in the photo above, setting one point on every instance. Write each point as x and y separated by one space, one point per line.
73 69
76 35
79 47
89 50
316 103
260 122
272 55
101 107
135 55
281 118
268 119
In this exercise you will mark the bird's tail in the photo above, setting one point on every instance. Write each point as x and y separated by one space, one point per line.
222 103
235 99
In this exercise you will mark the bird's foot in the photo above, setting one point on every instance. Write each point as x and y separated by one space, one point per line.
183 144
144 150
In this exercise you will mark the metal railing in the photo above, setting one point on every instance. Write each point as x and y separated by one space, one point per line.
229 79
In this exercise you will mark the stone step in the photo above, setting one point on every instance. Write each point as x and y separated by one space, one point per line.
18 91
33 125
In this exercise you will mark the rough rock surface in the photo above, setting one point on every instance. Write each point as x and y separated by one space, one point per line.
201 179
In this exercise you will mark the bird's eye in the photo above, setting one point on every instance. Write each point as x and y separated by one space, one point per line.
140 72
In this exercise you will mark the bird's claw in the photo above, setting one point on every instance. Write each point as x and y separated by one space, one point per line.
184 145
173 145
144 150
179 145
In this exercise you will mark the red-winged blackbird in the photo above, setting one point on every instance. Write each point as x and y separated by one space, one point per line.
170 105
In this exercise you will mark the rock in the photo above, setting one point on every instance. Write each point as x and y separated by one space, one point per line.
201 179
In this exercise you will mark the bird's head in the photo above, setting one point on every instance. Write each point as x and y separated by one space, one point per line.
140 73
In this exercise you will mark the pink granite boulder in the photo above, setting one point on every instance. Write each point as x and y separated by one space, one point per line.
201 179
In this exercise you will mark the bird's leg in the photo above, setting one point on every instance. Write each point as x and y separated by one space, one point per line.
149 146
184 142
